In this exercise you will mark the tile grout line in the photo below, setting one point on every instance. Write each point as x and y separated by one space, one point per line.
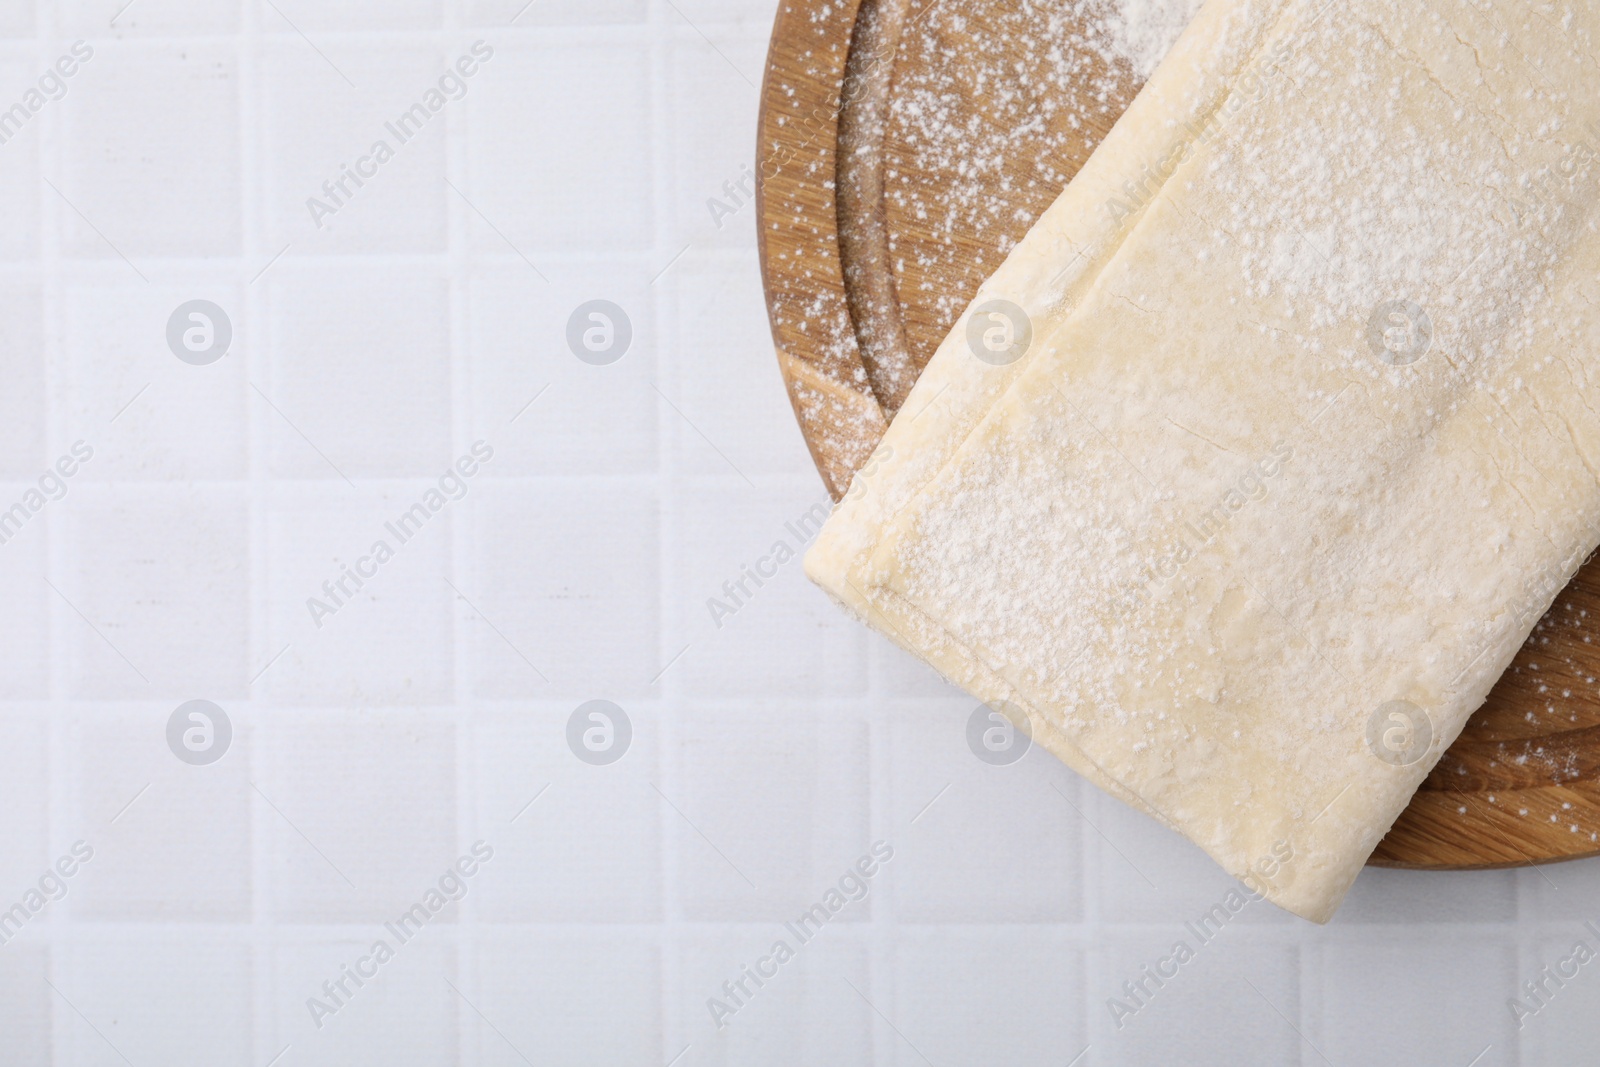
253 339
60 730
463 527
674 1025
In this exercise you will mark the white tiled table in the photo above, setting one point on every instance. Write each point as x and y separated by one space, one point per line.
768 753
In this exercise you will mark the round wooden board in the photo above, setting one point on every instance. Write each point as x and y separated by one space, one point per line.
905 146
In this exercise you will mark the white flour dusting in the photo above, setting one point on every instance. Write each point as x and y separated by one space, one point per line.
1144 31
988 121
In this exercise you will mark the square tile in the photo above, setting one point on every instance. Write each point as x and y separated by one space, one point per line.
733 418
101 18
803 1012
157 579
148 414
726 15
25 604
1167 996
714 143
575 177
1149 873
17 21
775 813
25 797
25 1008
1555 1001
156 997
548 410
360 373
172 842
24 404
739 586
565 998
165 119
404 1012
989 996
354 169
565 592
575 843
1389 896
496 14
353 15
974 842
383 639
1565 891
1381 1000
19 144
356 855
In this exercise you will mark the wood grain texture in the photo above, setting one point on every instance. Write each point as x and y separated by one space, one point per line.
801 99
900 162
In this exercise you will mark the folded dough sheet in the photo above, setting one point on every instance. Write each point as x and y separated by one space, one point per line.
1289 435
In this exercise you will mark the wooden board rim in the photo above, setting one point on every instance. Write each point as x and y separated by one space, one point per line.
797 209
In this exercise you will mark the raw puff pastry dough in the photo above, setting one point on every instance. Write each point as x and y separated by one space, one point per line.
1210 530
